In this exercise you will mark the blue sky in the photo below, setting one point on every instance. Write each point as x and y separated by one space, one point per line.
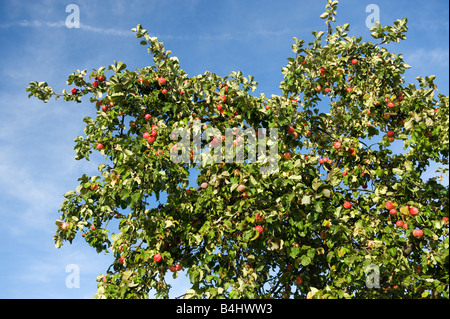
37 164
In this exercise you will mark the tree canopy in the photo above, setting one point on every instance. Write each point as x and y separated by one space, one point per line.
342 216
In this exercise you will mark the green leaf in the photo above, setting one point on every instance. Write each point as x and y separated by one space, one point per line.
193 276
316 183
294 251
306 200
305 260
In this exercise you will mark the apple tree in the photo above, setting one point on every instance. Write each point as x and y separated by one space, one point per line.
344 215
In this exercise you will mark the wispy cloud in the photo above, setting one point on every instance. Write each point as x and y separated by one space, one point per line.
437 56
224 36
62 24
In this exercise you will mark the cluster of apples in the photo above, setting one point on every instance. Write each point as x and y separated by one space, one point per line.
161 81
413 211
150 136
97 80
323 72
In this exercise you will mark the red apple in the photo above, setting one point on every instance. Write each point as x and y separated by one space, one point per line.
391 104
92 227
146 135
390 134
344 173
157 258
355 61
204 185
399 223
162 81
259 229
241 188
147 116
405 226
393 211
74 91
101 77
100 146
413 211
178 267
347 205
418 233
298 280
95 84
291 130
151 139
389 206
337 145
287 155
327 90
224 98
219 107
153 133
64 226
214 142
164 91
121 260
445 219
322 71
349 90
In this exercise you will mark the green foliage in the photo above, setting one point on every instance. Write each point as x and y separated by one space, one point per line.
307 232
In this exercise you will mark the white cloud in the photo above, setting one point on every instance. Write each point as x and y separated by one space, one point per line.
436 56
62 24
